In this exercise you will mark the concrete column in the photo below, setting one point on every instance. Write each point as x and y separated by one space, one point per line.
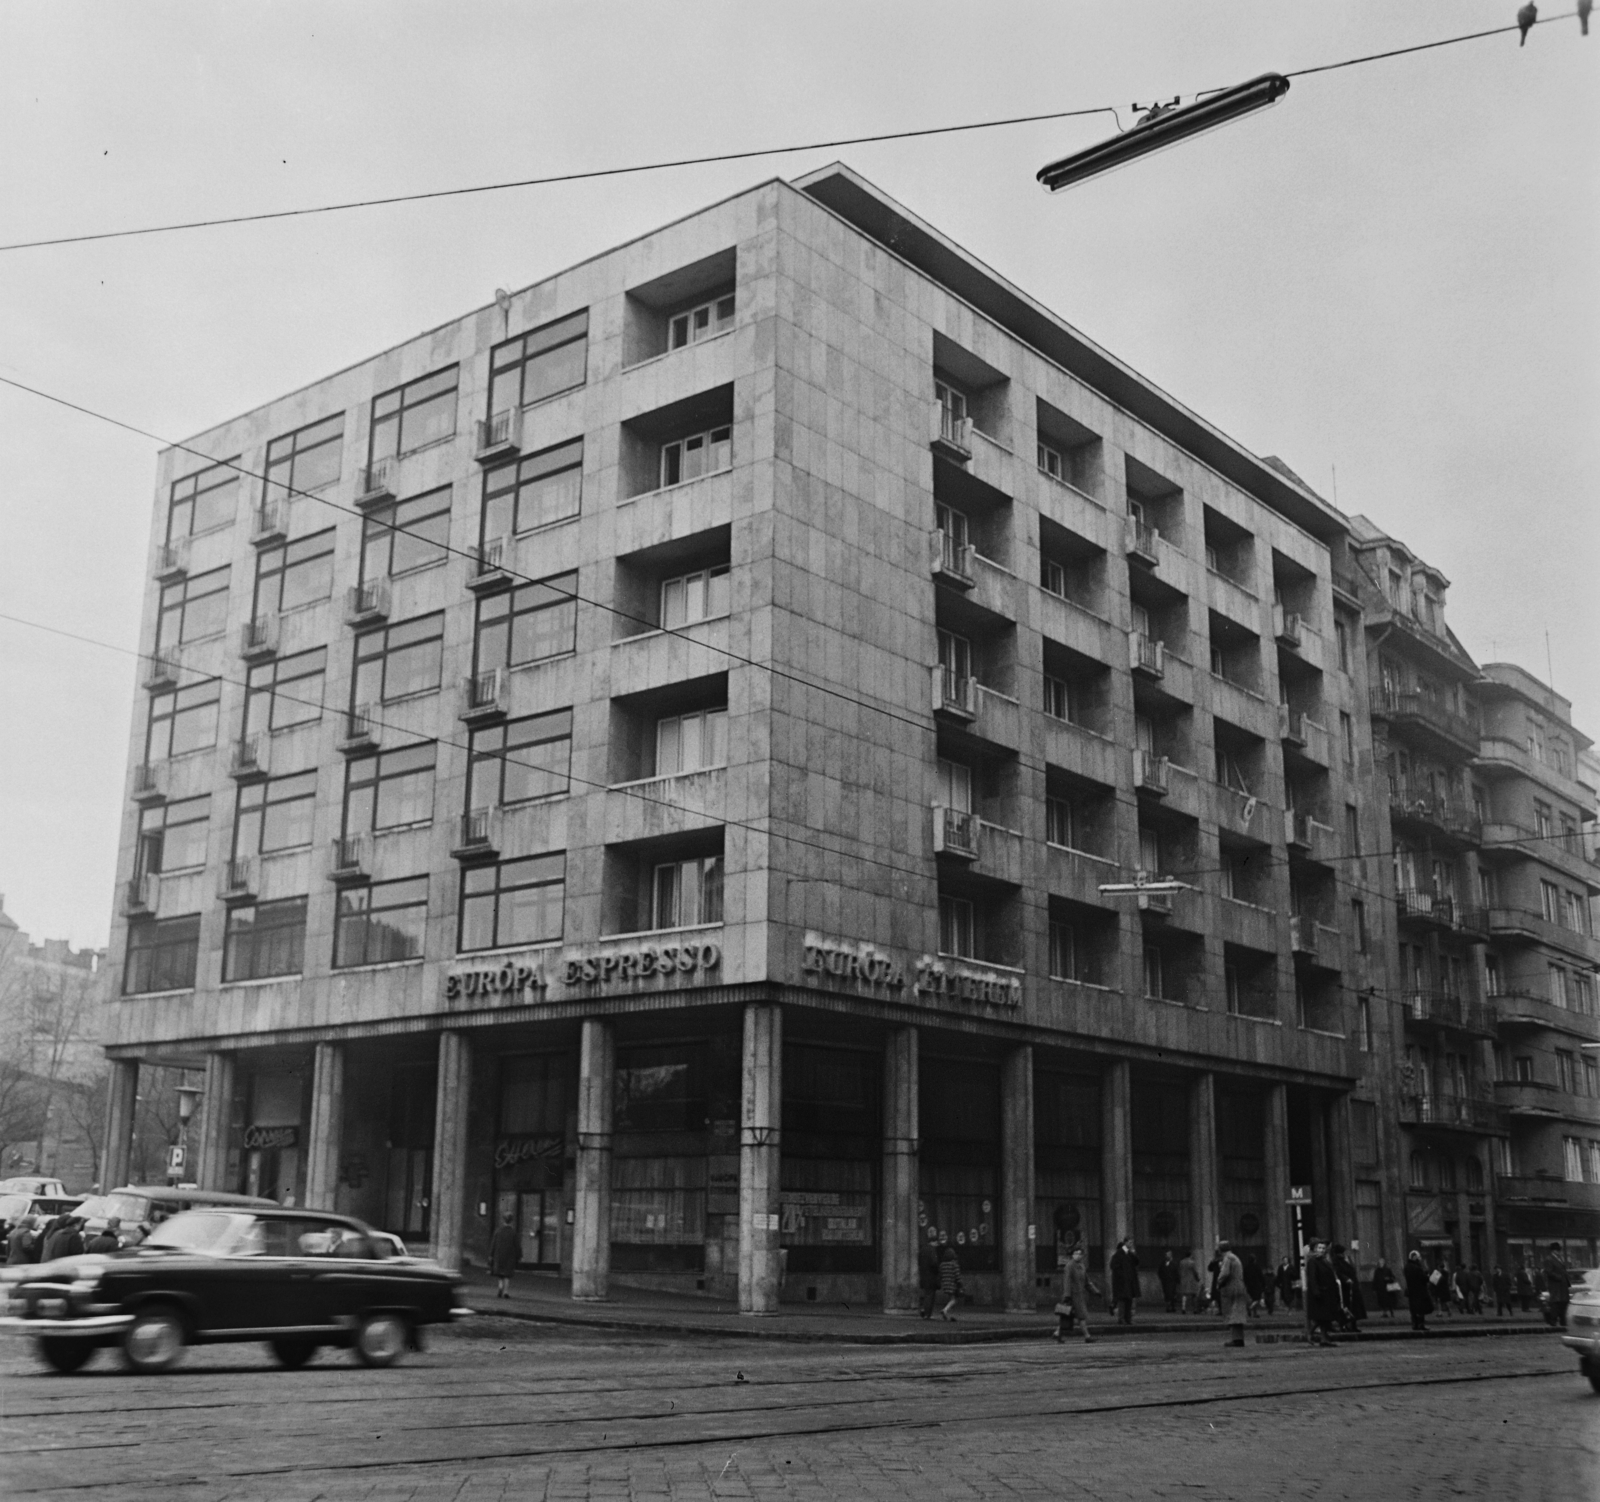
901 1192
1017 1228
448 1208
216 1120
1280 1219
591 1229
1116 1162
327 1127
1205 1198
116 1161
1341 1171
760 1124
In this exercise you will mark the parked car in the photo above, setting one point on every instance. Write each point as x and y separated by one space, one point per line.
296 1279
142 1207
32 1183
1583 1325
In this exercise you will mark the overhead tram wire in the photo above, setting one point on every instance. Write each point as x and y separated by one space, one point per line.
711 159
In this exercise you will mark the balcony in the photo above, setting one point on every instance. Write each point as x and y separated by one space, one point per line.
1426 719
1142 542
377 483
949 562
1462 1113
1146 657
1498 756
1568 852
987 849
484 697
1525 1098
172 561
367 602
954 696
258 639
1521 1010
951 436
499 437
139 896
1305 735
350 859
162 669
359 732
1546 1189
1440 817
1518 923
250 756
1239 812
150 783
955 833
1303 935
269 523
491 570
1431 1011
238 881
1309 838
1287 627
1151 773
1417 905
477 836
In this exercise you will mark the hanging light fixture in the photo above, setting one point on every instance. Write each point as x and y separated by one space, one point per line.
1162 128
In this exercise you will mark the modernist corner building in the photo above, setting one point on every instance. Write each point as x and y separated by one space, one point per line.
646 759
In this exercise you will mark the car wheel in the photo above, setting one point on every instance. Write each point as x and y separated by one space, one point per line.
380 1338
293 1353
65 1356
153 1342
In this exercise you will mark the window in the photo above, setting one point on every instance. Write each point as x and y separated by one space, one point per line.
162 954
267 938
1488 886
193 608
306 459
699 454
715 317
1503 1162
694 597
528 624
956 936
1219 664
1558 986
1591 1076
414 415
1572 1159
1051 462
404 535
1493 978
1522 1069
284 692
1419 1171
1060 822
1358 923
1567 1070
1544 822
1364 1024
686 893
183 720
1583 994
173 836
691 742
389 790
202 502
955 786
1062 700
294 573
515 902
520 760
538 364
1550 900
1594 1161
1347 731
1053 577
380 923
1233 988
1352 829
955 657
1153 978
1071 957
1149 849
1447 1173
953 524
1341 636
951 398
274 815
398 660
543 488
1577 912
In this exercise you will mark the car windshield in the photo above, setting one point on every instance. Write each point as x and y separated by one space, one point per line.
131 1209
214 1232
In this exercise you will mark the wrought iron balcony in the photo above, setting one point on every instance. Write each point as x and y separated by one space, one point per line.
1431 1010
1408 709
1471 1113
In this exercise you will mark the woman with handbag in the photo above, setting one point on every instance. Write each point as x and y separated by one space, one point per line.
949 1280
1073 1308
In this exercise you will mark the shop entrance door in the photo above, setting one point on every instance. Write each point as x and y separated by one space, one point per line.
536 1216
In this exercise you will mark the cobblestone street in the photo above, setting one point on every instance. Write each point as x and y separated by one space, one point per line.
501 1409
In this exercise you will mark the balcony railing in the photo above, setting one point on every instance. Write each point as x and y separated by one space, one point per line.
500 435
1467 1112
349 858
1446 1010
150 782
377 483
955 832
490 565
478 835
1150 772
1146 655
172 560
270 522
1443 814
1286 626
954 694
360 731
1408 704
953 434
951 561
250 757
258 638
1142 541
367 601
238 883
483 695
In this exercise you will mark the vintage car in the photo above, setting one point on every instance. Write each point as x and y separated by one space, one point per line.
142 1207
1583 1326
32 1183
296 1279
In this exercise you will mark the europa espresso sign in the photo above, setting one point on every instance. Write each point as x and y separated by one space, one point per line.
521 980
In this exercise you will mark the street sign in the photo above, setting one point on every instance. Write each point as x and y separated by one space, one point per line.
175 1158
1299 1194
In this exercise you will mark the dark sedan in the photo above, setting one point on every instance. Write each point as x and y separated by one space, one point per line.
296 1279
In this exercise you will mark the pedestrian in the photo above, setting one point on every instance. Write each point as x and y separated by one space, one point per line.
949 1279
1524 1285
1459 1290
1255 1283
1233 1295
1167 1273
1419 1298
503 1251
1323 1306
65 1240
24 1243
1073 1310
927 1275
1125 1280
107 1240
1355 1307
1288 1284
1500 1281
1385 1286
1439 1287
1474 1289
1189 1284
1557 1286
1211 1299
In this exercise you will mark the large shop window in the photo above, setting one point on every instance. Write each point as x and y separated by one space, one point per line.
295 573
408 1176
658 1183
520 760
534 492
959 1162
1161 1217
414 415
285 692
1241 1145
193 608
529 624
380 923
1066 1155
264 939
398 661
530 1147
203 501
661 1089
514 902
538 364
306 459
183 720
172 836
832 1147
274 815
401 536
162 954
389 790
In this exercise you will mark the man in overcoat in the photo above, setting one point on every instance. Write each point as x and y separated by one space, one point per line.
1124 1280
1233 1297
1324 1307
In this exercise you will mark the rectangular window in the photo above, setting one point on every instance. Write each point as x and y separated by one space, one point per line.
1341 635
380 923
1583 994
1153 977
1347 733
306 459
714 317
202 502
389 790
1591 1075
956 929
1059 822
527 624
183 720
953 524
414 415
1577 912
284 692
1572 1159
698 454
543 488
404 535
538 364
1071 956
1544 819
515 902
955 786
1558 986
172 837
1522 1068
162 954
193 608
1364 1024
294 573
1567 1070
1550 901
1504 1164
691 742
263 939
1493 980
1594 1161
274 815
1061 701
1358 923
522 759
1053 577
1051 462
396 661
694 597
686 893
1352 829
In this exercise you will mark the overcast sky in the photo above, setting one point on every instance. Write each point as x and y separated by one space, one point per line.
1392 275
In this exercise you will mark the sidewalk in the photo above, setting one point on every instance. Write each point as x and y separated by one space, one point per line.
546 1298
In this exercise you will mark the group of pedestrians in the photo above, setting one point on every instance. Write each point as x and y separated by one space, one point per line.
36 1239
1185 1292
939 1275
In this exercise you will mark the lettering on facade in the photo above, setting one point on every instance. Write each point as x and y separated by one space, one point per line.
946 978
647 961
260 1138
510 1151
851 963
508 979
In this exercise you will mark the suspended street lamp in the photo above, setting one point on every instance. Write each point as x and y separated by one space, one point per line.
1165 126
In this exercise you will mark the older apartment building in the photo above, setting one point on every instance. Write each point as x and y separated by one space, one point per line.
649 757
